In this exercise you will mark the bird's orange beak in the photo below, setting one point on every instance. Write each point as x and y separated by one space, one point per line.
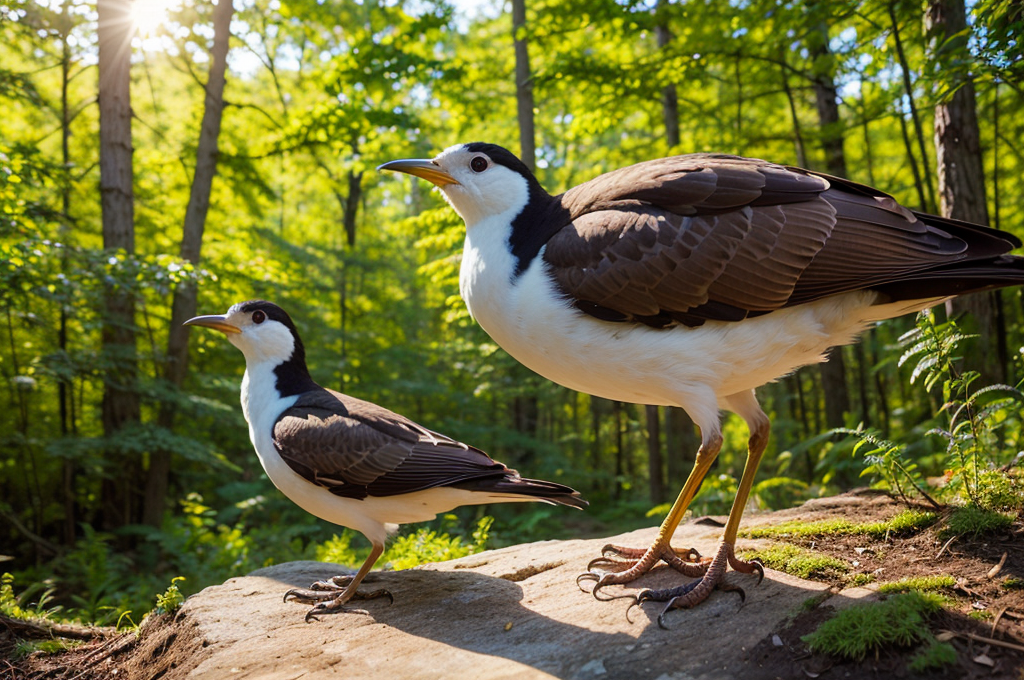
427 169
215 321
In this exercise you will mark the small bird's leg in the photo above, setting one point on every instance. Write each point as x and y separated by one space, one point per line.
661 548
324 592
697 591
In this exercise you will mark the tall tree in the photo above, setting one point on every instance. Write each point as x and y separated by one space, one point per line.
120 393
183 306
833 371
524 86
960 167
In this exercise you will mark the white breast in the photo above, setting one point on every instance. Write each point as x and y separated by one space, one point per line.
695 368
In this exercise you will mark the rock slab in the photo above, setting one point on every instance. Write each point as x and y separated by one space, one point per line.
510 613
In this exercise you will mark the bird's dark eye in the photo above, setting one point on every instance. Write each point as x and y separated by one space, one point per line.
478 164
259 316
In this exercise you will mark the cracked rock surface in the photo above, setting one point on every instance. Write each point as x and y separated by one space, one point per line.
509 613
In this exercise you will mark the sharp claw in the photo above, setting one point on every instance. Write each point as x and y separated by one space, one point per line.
589 576
601 584
636 603
730 588
661 616
759 568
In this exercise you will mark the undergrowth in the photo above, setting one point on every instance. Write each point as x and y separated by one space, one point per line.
799 562
898 622
904 523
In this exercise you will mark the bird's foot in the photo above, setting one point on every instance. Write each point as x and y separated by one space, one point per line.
331 597
695 592
619 565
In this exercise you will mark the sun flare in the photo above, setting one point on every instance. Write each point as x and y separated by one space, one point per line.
149 15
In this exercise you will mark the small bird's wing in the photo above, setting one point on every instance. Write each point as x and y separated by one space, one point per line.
692 238
357 449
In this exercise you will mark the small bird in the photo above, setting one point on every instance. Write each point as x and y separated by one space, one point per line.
690 281
351 462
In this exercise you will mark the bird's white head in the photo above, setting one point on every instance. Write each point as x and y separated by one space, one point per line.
262 330
479 180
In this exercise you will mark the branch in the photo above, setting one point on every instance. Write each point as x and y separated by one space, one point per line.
42 629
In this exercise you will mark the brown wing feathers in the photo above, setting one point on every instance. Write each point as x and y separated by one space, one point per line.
701 237
357 449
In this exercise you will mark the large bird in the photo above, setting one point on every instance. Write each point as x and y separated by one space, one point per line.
690 281
349 461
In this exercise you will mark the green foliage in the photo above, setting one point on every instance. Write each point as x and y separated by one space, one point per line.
900 621
972 522
904 523
971 444
410 550
861 579
799 562
169 601
935 655
917 583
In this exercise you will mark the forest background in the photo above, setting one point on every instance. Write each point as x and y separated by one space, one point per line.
164 159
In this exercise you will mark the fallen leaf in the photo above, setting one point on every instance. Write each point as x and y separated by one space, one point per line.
508 626
984 660
945 636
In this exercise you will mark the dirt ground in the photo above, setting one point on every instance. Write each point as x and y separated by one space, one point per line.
987 612
986 625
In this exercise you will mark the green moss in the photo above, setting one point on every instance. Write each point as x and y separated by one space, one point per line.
1014 583
853 633
981 615
918 583
935 655
971 521
799 562
854 580
903 523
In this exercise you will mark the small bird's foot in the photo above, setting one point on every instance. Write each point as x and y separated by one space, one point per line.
331 596
338 604
619 565
695 592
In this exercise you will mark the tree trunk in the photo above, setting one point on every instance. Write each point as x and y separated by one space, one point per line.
669 97
833 371
524 86
655 464
909 89
120 405
962 174
183 306
355 194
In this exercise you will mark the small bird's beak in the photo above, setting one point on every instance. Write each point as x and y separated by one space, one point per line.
216 321
427 169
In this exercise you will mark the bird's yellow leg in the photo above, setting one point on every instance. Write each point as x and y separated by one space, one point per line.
693 593
327 596
645 559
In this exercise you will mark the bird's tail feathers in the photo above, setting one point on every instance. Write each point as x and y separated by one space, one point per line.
520 488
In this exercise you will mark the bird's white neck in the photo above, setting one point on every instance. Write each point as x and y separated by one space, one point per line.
488 267
262 404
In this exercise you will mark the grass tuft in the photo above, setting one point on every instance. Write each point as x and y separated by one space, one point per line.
854 580
971 521
903 523
799 562
917 583
935 655
866 629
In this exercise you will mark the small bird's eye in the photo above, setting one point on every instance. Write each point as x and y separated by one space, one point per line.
478 164
259 316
